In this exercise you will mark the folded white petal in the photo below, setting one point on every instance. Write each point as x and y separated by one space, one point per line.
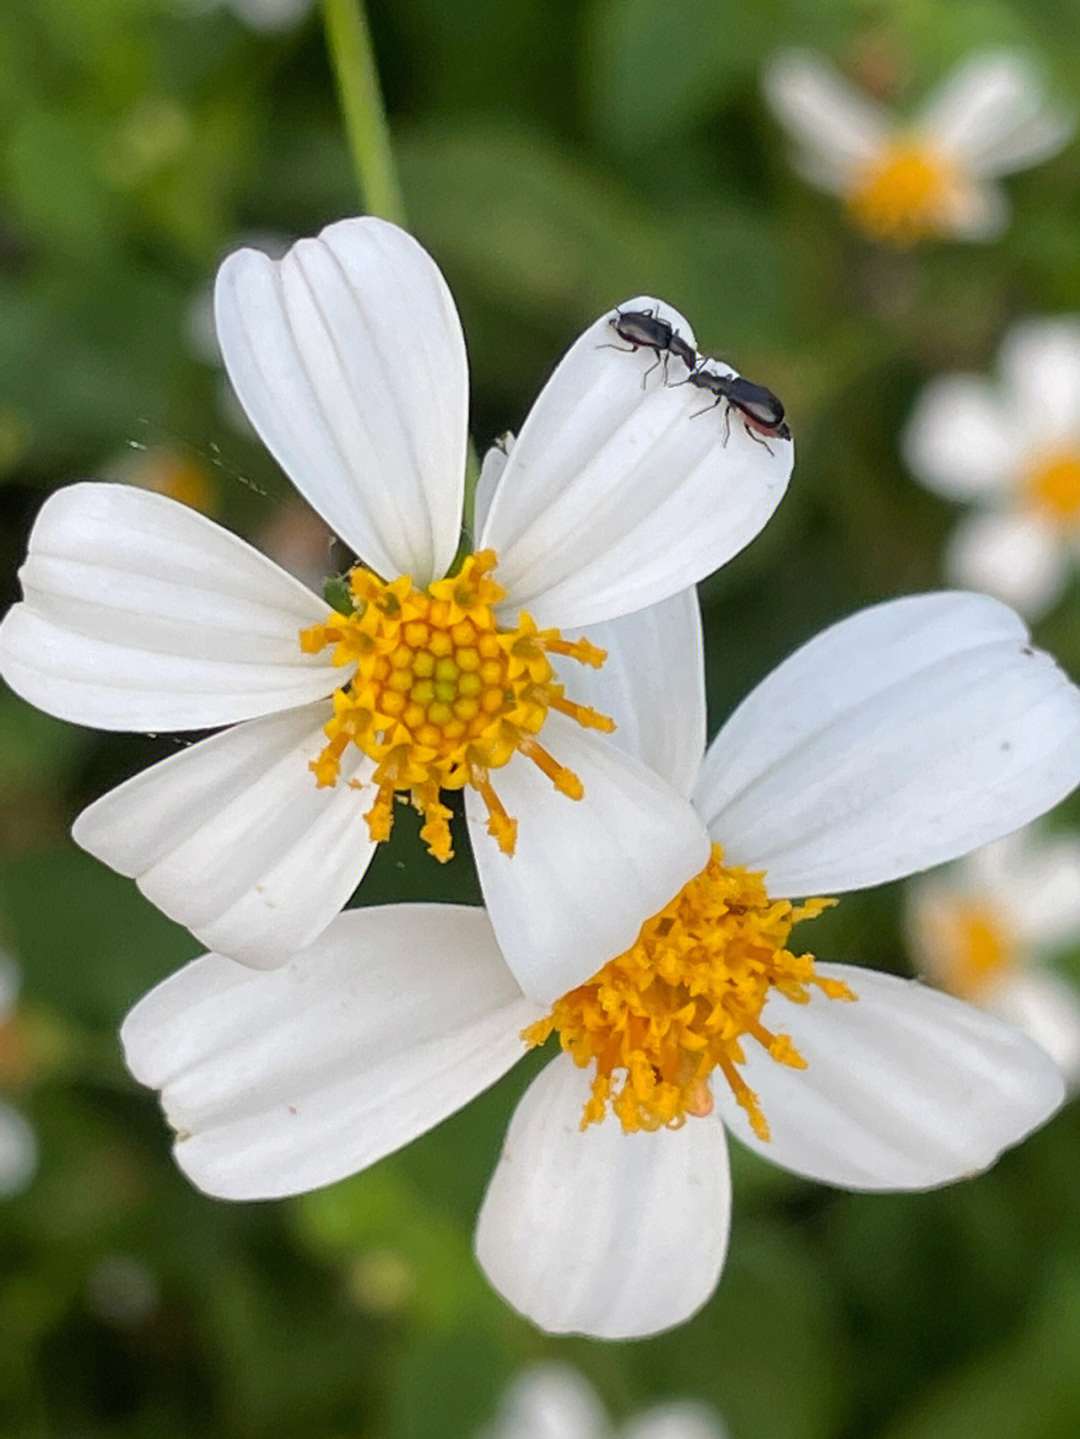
1014 554
586 873
903 736
1047 1009
652 685
905 1088
142 614
824 112
600 1232
965 440
1040 362
278 1083
614 496
348 357
990 116
234 839
487 481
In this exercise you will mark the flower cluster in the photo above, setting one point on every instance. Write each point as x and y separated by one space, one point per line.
641 889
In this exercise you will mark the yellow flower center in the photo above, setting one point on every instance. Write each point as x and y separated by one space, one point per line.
441 695
974 946
684 998
904 195
1053 485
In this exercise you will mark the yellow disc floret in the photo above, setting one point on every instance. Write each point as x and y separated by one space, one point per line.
440 694
1053 485
683 1000
904 195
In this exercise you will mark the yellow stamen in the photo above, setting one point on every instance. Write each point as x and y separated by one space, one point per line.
1053 485
681 1002
904 195
440 695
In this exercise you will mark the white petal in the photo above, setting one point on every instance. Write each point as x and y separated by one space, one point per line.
1040 362
278 1083
824 112
990 116
349 359
978 211
487 481
682 1419
603 1233
234 839
18 1152
549 1401
142 614
964 440
1014 554
1047 1009
615 496
905 1088
904 736
652 685
586 873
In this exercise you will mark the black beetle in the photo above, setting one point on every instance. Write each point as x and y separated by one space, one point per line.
759 409
644 329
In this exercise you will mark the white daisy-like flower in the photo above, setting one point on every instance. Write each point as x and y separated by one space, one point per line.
18 1142
140 614
988 927
934 175
911 732
1011 447
554 1401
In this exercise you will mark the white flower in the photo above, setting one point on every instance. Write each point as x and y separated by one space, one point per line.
986 927
934 175
911 732
553 1401
140 614
18 1143
1012 447
266 15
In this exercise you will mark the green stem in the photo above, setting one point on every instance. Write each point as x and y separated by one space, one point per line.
349 42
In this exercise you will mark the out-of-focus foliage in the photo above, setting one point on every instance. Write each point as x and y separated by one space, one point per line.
555 158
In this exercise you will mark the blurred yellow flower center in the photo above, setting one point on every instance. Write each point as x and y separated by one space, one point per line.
903 195
683 1000
441 695
1054 486
975 947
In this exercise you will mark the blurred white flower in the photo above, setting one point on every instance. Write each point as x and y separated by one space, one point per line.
141 614
18 1143
266 15
932 176
910 733
1012 447
554 1401
986 927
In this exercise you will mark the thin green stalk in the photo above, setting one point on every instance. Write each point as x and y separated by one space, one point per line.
349 42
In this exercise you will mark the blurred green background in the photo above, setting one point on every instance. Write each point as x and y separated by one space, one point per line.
555 159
